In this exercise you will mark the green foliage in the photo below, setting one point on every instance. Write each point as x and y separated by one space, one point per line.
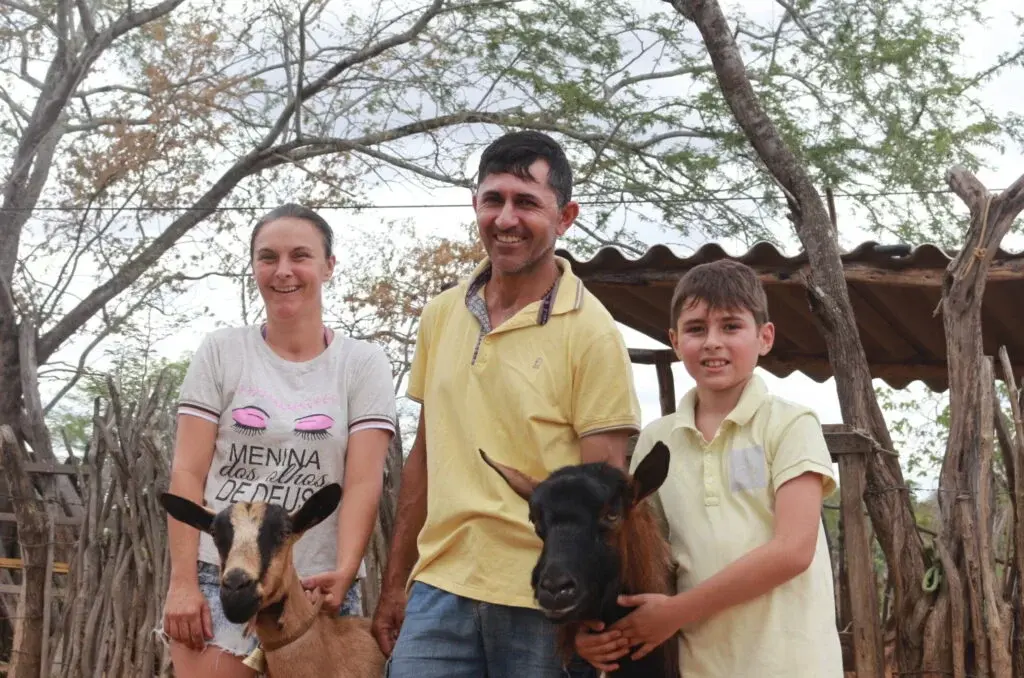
918 421
133 372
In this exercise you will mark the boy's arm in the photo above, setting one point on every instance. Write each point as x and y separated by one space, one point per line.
802 474
788 553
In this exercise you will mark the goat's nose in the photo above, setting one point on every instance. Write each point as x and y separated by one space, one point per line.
560 585
236 580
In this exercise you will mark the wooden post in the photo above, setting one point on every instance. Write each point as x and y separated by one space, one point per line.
662 360
666 386
851 449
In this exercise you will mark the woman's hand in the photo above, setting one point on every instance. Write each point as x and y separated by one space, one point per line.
600 650
334 585
187 615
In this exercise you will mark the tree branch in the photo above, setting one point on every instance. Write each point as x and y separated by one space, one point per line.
1012 199
16 108
254 162
657 75
413 167
85 17
7 307
32 12
96 123
966 186
341 66
63 76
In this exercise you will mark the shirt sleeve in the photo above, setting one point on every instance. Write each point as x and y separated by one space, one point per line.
604 397
201 394
371 399
801 448
418 370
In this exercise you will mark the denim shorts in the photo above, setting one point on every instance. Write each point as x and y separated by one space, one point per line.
227 635
448 636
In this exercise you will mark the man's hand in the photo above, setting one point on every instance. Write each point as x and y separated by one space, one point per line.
388 618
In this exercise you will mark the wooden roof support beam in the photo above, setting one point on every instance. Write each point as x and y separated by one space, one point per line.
1005 269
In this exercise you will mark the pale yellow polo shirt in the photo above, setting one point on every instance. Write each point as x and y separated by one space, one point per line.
525 393
718 504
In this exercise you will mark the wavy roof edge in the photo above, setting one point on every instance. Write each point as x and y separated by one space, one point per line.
765 254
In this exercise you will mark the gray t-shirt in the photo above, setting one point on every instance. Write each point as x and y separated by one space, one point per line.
284 426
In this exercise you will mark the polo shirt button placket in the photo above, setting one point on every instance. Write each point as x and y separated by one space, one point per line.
710 495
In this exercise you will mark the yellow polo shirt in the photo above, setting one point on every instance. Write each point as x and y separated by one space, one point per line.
525 392
718 504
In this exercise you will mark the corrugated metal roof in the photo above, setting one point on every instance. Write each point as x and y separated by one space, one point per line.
894 290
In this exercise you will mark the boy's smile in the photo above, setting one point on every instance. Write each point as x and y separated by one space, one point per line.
720 347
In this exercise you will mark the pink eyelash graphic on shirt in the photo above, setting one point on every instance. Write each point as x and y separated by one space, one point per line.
249 420
314 427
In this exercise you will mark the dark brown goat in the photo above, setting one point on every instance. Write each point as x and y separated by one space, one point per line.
601 540
260 587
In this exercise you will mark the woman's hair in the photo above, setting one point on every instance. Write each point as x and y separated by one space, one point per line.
295 211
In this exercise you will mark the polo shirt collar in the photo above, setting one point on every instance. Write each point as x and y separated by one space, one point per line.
754 394
564 297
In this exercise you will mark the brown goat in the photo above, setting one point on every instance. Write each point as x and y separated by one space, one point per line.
601 540
259 587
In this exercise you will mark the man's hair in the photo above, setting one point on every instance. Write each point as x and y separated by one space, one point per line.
723 285
513 153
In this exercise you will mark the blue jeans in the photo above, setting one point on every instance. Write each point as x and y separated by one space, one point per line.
448 636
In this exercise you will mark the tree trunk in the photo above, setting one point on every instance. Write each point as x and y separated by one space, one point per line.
34 535
888 502
10 405
965 481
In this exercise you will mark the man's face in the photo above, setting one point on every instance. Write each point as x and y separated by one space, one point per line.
519 220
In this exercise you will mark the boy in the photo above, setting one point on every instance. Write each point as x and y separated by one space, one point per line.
741 504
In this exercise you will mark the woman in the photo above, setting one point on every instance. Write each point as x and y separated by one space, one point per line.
272 413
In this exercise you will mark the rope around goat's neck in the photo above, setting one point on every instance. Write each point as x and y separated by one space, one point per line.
302 629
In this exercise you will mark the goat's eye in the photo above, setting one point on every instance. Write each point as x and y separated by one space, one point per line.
610 519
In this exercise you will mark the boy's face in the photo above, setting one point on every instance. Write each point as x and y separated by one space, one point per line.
720 347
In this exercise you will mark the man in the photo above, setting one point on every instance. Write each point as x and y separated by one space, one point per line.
521 361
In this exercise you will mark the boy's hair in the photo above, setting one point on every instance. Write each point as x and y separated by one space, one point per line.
724 285
513 153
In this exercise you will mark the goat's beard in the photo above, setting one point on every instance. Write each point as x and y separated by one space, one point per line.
240 608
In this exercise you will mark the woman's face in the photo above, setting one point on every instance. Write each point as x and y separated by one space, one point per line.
290 266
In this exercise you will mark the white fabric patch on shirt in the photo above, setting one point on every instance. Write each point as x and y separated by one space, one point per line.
747 469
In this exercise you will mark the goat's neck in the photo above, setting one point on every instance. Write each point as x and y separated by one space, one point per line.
289 616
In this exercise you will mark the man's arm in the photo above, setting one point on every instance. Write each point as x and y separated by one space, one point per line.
411 514
607 446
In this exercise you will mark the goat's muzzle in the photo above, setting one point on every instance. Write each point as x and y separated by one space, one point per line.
558 593
239 596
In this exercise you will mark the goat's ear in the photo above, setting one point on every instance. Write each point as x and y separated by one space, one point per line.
651 472
187 511
523 484
316 508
